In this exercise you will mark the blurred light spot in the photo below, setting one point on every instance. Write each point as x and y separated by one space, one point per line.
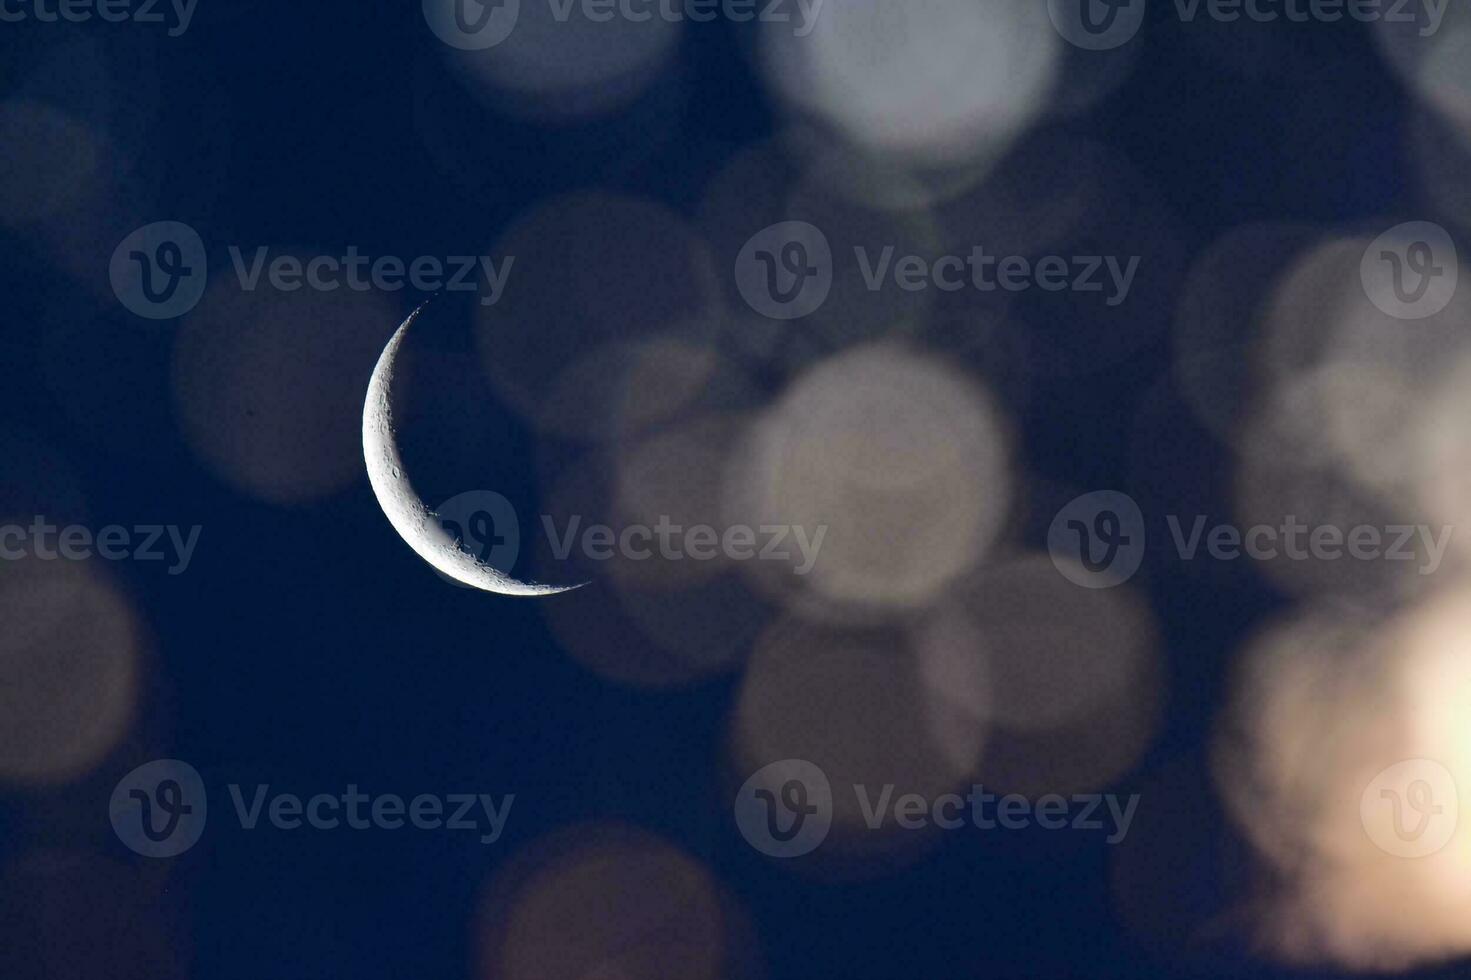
1441 155
1291 479
78 126
1436 65
69 670
1321 313
866 301
1441 445
749 192
53 162
655 622
571 69
268 386
1222 306
954 662
869 179
1058 651
610 903
1354 420
936 82
902 459
854 202
1074 673
1326 706
871 709
590 269
675 476
1323 319
658 640
635 384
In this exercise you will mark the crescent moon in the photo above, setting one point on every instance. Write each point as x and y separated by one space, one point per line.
405 509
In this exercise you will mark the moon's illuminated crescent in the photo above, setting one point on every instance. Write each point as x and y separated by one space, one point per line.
402 505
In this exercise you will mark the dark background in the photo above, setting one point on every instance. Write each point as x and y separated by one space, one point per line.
307 648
